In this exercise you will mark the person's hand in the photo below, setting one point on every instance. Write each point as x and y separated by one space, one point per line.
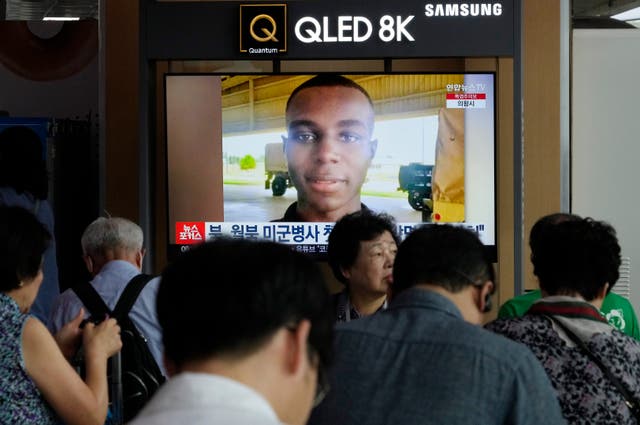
68 337
102 339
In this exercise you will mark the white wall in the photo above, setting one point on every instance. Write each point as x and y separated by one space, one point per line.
605 141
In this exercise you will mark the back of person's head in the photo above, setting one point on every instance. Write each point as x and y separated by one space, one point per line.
545 224
577 256
349 231
22 164
443 255
328 80
111 234
23 240
226 298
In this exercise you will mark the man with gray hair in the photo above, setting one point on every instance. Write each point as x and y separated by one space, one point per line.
113 253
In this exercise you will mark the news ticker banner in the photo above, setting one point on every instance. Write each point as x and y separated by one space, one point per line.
329 29
314 235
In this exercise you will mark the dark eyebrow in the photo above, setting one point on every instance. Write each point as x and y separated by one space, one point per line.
301 123
341 123
352 123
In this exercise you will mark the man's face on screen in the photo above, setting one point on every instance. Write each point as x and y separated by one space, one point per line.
329 149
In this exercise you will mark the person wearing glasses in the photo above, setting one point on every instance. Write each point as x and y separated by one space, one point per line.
425 360
247 330
362 247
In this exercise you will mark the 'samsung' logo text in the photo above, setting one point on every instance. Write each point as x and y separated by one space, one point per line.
462 9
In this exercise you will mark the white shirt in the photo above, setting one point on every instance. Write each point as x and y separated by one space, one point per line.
203 398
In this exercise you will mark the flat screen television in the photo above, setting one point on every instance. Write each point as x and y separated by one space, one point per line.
227 171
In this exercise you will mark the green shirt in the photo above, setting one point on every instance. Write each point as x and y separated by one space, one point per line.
616 309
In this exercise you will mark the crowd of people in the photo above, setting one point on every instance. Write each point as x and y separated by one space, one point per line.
266 343
271 345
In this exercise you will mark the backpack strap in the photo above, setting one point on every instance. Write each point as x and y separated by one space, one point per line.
91 300
130 295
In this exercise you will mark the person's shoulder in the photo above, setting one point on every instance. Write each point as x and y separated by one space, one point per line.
511 326
62 310
291 214
503 334
150 290
613 300
65 299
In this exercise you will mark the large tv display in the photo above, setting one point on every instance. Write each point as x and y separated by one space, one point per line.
244 161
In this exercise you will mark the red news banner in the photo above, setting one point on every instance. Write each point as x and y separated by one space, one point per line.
311 234
466 100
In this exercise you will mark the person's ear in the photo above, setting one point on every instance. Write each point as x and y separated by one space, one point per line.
484 301
373 147
284 141
297 351
139 257
88 262
345 272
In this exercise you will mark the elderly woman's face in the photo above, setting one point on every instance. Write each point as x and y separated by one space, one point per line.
372 271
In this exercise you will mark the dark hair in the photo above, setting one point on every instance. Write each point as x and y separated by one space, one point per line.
328 80
444 255
22 165
23 240
577 256
546 224
228 296
349 231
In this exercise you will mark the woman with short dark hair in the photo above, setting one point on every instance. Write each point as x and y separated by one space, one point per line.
576 262
37 383
362 249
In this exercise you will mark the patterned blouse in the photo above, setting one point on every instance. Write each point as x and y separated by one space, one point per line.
20 401
586 395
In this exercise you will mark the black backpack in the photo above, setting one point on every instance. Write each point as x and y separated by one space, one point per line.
140 375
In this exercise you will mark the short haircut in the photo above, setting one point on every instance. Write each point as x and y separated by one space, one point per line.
444 255
22 164
328 80
578 256
545 224
227 297
23 241
106 234
349 231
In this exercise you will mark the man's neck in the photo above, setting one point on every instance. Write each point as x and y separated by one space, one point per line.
113 255
463 300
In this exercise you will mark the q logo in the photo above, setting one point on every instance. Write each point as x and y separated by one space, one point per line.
263 28
270 35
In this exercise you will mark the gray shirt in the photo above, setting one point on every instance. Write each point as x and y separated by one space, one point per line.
419 362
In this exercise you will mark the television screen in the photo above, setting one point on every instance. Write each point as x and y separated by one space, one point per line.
245 161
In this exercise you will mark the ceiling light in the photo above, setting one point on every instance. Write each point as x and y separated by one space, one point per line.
60 18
